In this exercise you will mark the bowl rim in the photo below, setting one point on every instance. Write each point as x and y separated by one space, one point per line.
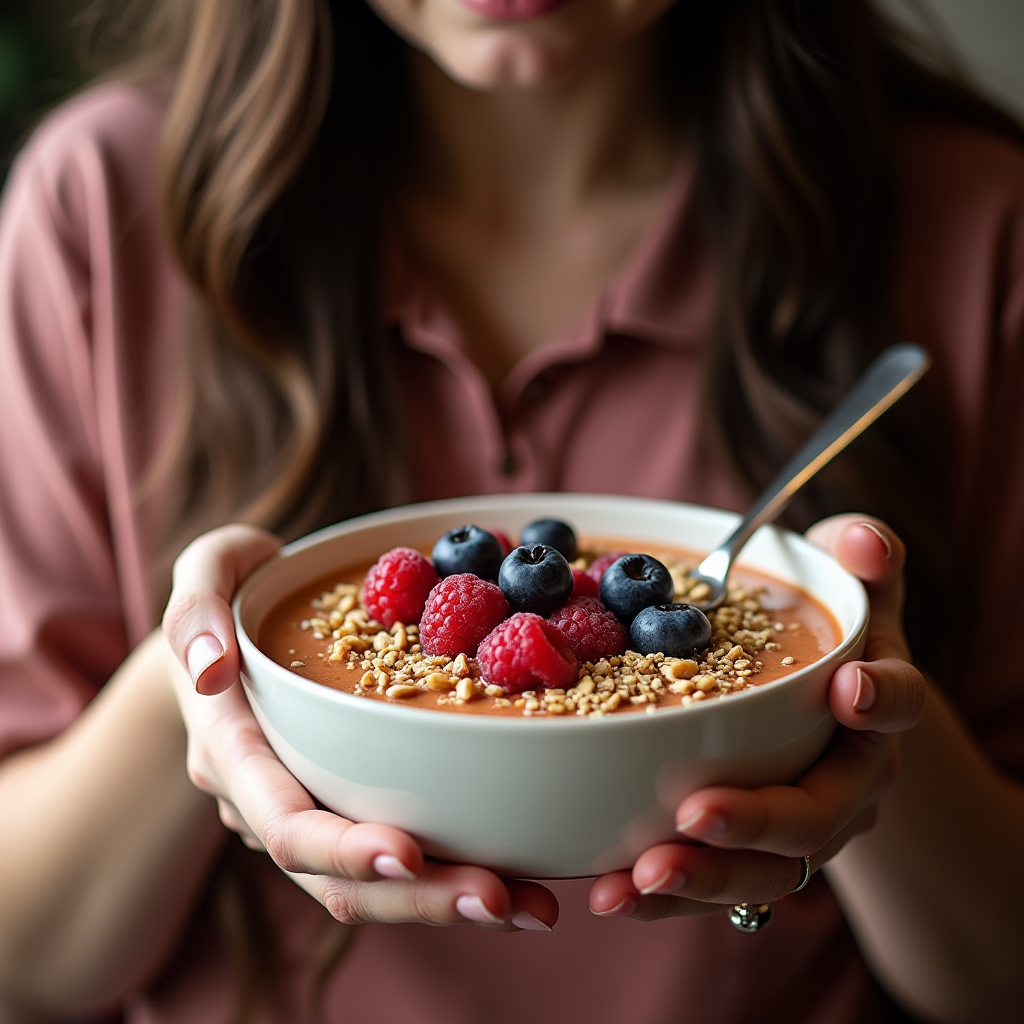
501 724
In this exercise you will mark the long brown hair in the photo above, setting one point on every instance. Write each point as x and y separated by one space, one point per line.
794 105
280 133
272 162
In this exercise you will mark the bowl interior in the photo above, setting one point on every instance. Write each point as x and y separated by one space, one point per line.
779 553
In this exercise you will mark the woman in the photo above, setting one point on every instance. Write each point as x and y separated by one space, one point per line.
432 247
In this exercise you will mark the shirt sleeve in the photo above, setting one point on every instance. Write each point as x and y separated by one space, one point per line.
61 626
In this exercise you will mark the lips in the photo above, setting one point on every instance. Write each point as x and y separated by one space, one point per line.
513 10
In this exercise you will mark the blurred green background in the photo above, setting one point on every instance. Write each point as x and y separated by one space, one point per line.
38 64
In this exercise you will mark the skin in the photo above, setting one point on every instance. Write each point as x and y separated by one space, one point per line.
884 836
510 172
950 952
536 220
831 804
527 55
522 200
230 759
106 845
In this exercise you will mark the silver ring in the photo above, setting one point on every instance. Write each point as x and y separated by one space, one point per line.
805 874
750 917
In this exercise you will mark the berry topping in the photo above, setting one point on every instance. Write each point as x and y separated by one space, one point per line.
635 582
553 532
535 578
396 587
677 630
460 611
468 549
584 585
590 629
597 567
504 543
525 653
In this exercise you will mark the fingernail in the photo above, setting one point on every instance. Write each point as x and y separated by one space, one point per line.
527 922
881 536
669 882
864 699
472 908
388 866
626 906
704 823
203 652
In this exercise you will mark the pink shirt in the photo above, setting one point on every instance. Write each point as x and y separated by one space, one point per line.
90 306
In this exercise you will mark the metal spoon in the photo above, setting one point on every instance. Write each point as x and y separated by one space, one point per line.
888 378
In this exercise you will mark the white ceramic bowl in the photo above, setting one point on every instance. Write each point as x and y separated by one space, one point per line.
552 798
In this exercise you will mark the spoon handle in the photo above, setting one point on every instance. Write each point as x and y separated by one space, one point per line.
888 378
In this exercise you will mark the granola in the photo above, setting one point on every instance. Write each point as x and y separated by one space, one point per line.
393 665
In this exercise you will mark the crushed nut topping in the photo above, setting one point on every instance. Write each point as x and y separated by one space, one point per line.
394 666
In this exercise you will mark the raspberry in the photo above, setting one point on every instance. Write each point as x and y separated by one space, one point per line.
397 585
502 538
461 610
597 567
589 628
584 585
525 653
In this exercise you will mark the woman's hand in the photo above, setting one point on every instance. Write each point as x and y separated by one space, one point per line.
753 841
361 872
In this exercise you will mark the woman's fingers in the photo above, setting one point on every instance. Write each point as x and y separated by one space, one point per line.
616 895
361 872
232 819
867 547
532 907
693 881
676 880
883 692
870 550
229 758
444 895
887 695
299 836
753 843
792 821
320 842
197 620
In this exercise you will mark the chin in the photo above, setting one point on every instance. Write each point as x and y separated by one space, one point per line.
509 63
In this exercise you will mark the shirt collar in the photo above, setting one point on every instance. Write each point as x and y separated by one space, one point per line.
664 293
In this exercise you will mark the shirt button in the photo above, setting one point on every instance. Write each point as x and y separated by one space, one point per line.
508 465
536 391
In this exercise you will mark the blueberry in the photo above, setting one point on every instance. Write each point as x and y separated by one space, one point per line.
535 578
677 630
553 532
468 549
635 582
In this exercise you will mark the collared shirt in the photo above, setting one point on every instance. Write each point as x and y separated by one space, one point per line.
566 416
90 328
